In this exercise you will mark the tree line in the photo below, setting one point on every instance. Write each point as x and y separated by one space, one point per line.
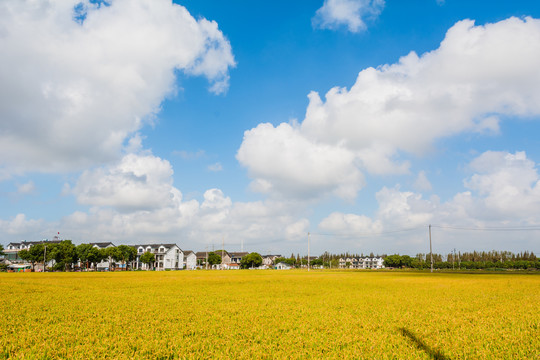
65 255
466 260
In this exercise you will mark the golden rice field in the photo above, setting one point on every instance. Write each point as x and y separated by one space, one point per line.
269 315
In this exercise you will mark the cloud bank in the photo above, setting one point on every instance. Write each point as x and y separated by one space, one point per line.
134 200
502 192
503 189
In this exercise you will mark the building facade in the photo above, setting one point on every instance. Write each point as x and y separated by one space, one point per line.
190 260
167 257
361 263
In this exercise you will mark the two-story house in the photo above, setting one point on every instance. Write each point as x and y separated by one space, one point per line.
167 257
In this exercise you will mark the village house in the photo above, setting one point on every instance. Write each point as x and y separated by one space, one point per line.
201 258
167 257
361 263
11 252
230 266
268 260
190 260
282 266
236 257
103 265
225 256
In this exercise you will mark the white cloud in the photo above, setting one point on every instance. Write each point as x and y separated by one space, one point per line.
508 186
422 182
26 188
297 231
403 209
21 227
344 224
350 13
215 167
93 83
476 75
137 182
281 159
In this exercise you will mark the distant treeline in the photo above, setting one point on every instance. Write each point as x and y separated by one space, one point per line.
467 260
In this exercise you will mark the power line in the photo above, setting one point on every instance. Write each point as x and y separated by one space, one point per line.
372 233
526 228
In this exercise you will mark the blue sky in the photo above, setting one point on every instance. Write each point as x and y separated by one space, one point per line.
197 122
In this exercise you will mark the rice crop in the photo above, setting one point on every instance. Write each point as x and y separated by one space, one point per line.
269 315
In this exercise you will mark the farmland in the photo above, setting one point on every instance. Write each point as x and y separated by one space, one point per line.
270 314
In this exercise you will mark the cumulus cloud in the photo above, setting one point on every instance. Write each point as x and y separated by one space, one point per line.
281 159
507 184
79 78
477 75
137 182
339 223
350 13
505 189
21 227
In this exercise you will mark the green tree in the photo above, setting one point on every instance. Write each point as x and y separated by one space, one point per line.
148 258
406 261
127 254
213 258
64 253
393 261
2 250
316 262
251 260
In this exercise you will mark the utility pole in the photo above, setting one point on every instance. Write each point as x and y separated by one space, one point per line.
45 258
222 250
308 251
453 257
430 250
206 262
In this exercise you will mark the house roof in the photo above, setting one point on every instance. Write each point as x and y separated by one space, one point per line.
238 254
188 252
156 246
102 244
24 242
